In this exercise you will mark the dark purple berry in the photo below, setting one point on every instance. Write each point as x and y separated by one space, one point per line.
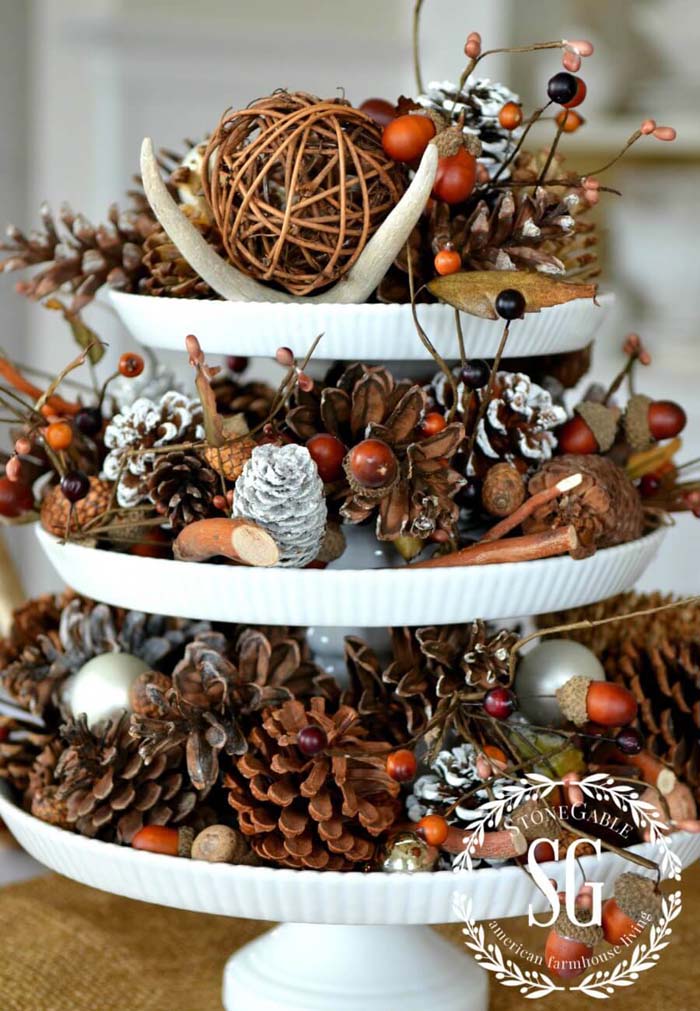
89 421
75 485
562 87
311 741
237 363
475 374
499 703
629 741
510 304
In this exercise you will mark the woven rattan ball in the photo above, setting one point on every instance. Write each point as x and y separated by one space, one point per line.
297 186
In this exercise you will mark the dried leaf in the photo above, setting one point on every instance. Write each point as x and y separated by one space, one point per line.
476 291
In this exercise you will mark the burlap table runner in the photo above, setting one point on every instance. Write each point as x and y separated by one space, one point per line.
70 948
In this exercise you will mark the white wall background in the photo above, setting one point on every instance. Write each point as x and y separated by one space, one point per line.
84 80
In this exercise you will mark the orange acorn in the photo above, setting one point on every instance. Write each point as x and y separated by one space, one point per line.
171 842
602 702
569 947
636 903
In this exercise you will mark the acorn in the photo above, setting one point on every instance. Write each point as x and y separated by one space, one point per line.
372 469
648 421
592 429
636 903
503 490
569 947
221 844
171 842
582 700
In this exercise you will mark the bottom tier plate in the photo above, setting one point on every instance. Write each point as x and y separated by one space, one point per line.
349 597
330 897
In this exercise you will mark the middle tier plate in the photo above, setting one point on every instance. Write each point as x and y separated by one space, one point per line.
368 333
348 597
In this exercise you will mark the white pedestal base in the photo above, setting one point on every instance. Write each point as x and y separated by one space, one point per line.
314 967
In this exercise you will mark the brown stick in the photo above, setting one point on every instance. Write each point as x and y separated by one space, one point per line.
238 539
527 548
651 769
530 506
502 845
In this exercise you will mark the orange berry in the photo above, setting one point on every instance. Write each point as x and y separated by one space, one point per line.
157 839
58 435
402 766
511 116
568 120
131 365
495 754
432 424
433 829
447 261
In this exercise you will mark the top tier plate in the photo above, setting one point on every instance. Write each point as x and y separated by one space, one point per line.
368 333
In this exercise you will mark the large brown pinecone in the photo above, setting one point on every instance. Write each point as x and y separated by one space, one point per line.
605 508
656 656
165 270
367 402
21 744
106 788
325 812
182 487
278 664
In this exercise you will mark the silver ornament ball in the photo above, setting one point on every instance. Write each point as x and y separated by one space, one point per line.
544 670
100 689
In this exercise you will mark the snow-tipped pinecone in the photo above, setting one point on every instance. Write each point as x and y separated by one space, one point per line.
146 425
480 102
56 509
280 489
321 812
182 487
605 509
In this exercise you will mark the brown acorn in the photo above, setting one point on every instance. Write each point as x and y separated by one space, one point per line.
591 430
569 946
503 490
636 903
371 468
582 700
648 421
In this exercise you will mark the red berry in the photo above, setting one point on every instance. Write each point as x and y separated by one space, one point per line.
131 365
15 498
372 464
157 839
609 704
75 485
666 419
649 485
328 454
58 435
305 382
499 703
432 424
311 741
569 121
455 177
575 436
580 95
433 829
447 261
237 363
511 116
402 766
406 137
378 109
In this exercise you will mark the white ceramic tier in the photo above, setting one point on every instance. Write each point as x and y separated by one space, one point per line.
348 597
332 897
367 333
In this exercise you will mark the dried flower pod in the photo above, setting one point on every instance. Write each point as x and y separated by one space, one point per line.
503 490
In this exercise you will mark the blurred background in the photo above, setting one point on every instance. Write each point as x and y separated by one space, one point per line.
84 80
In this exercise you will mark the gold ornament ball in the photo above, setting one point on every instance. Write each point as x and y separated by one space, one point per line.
407 853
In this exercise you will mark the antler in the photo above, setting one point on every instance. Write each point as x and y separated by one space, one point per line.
373 263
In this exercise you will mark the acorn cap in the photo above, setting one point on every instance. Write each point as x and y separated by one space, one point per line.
637 422
572 699
601 420
548 828
333 544
185 838
589 934
637 897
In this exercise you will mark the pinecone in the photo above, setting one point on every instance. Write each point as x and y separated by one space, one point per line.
182 487
108 790
281 491
657 657
465 658
323 812
368 403
394 701
21 744
279 664
166 271
230 459
55 509
605 508
132 436
35 617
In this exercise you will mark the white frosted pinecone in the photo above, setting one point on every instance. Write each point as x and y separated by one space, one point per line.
145 426
480 101
281 491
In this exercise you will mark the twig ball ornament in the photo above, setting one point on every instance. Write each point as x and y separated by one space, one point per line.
297 186
544 670
101 687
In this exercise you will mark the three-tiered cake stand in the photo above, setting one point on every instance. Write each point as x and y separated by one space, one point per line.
349 941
